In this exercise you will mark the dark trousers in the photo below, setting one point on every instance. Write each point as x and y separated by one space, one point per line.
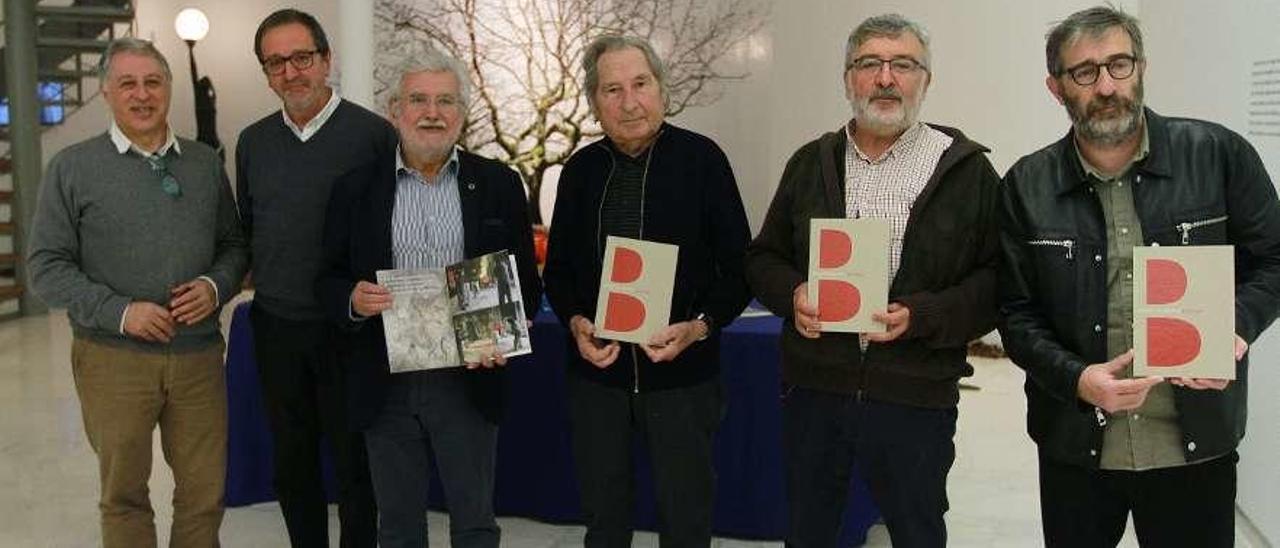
302 388
424 411
1191 505
677 426
903 452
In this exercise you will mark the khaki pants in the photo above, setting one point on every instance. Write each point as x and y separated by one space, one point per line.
124 393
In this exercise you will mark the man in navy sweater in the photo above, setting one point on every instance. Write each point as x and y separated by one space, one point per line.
286 164
653 181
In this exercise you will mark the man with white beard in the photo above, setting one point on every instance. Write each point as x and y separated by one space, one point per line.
885 401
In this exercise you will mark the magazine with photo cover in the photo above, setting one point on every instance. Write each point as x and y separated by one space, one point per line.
456 315
488 307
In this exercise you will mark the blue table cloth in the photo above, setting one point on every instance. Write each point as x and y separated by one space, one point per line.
535 464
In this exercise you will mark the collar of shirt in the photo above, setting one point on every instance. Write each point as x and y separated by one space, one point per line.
906 139
403 169
312 126
1143 149
123 144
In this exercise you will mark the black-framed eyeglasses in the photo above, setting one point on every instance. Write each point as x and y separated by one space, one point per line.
168 183
1119 67
301 60
897 65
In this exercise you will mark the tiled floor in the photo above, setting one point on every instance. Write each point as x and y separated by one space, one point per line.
48 479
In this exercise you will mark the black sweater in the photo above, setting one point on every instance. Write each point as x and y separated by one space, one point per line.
283 185
690 200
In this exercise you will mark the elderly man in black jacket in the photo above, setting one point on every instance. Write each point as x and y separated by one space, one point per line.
885 400
1072 213
653 181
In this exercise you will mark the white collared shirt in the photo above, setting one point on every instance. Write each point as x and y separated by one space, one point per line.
313 125
123 145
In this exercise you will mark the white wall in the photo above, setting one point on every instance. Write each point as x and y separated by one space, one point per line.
225 56
1201 57
988 80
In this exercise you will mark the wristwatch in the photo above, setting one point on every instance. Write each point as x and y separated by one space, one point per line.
706 320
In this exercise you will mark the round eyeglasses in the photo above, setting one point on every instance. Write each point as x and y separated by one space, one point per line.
1119 67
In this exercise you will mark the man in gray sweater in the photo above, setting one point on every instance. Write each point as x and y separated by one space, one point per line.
136 235
286 164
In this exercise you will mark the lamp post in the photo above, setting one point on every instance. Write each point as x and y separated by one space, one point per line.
192 26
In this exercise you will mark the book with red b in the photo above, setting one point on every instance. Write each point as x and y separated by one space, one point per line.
636 285
1184 312
848 272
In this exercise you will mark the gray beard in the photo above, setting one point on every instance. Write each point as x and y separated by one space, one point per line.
876 125
1108 132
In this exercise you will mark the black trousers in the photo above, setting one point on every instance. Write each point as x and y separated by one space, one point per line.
678 427
302 389
1191 505
904 452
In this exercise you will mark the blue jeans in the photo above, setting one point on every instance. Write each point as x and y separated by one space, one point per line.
427 410
903 452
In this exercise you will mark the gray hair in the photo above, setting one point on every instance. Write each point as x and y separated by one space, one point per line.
889 25
434 60
136 46
1093 22
614 42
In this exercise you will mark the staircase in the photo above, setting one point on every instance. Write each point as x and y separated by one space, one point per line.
70 37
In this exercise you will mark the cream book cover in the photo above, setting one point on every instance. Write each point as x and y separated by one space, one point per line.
1184 312
849 272
636 284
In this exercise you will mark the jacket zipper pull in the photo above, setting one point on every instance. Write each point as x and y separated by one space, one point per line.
1070 245
1185 229
1102 417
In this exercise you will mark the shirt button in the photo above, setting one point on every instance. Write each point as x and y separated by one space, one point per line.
1093 452
1119 183
1128 275
1137 178
1097 258
1124 230
1191 446
1136 416
1097 328
1155 244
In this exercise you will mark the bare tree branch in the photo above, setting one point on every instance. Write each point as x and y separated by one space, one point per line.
524 57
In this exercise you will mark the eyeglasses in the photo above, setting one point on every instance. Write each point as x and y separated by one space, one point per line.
443 101
301 60
1119 67
898 65
168 183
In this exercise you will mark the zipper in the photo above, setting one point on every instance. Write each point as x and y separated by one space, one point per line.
1069 245
1186 228
644 188
635 370
613 165
1102 417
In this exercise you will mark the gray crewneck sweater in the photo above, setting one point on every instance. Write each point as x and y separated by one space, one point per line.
105 233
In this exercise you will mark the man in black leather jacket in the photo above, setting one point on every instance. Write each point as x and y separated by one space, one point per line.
1072 212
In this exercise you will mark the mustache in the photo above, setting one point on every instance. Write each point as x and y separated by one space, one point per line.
1101 103
886 93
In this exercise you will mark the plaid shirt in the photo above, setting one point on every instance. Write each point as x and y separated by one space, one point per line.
885 187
